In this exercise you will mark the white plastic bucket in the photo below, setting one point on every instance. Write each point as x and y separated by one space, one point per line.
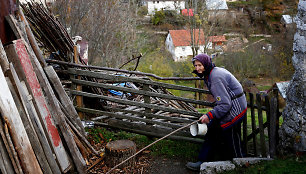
198 129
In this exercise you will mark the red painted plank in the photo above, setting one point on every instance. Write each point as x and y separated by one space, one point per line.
41 103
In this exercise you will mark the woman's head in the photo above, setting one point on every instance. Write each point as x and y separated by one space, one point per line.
205 61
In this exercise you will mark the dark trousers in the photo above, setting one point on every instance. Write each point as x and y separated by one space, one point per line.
221 144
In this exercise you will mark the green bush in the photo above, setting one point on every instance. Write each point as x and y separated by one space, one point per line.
158 17
142 11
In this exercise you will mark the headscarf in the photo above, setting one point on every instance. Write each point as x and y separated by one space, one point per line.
206 62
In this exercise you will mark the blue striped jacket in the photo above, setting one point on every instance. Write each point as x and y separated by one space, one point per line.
225 88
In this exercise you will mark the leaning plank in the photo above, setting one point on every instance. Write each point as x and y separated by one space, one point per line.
3 59
58 115
7 166
64 99
18 133
21 61
15 163
28 104
42 160
32 40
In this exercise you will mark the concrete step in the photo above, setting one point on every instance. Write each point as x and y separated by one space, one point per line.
221 166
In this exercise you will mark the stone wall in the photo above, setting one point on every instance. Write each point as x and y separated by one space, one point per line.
293 130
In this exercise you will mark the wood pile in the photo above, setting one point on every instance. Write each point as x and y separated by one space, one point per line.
40 129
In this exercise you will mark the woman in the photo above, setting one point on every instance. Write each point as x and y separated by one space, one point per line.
222 141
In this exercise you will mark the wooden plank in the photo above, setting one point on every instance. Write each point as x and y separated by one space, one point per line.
129 102
149 115
20 58
253 122
123 116
64 99
114 78
32 39
123 126
141 92
3 59
15 163
28 104
59 117
21 141
261 128
38 151
12 148
6 166
64 127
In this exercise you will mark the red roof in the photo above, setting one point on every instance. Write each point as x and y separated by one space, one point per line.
183 38
187 12
217 39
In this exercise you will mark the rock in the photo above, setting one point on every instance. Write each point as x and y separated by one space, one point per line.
247 161
216 167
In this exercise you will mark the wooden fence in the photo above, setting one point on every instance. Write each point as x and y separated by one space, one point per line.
159 112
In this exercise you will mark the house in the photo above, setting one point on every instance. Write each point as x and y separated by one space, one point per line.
216 42
178 43
287 21
216 8
154 6
187 12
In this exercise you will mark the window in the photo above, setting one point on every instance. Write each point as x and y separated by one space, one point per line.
183 48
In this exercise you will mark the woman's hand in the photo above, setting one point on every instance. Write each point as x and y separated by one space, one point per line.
204 119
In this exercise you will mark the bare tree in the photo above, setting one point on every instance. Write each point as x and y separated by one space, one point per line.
108 25
202 22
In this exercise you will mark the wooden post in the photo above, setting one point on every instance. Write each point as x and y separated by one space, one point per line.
79 99
267 104
21 141
245 132
273 127
146 98
253 123
261 128
197 94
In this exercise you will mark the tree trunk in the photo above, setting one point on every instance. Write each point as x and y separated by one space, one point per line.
118 151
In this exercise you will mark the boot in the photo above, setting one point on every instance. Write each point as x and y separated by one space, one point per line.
194 166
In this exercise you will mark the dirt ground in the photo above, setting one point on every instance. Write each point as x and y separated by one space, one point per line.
147 164
163 165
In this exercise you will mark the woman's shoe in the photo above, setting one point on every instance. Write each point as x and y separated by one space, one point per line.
194 166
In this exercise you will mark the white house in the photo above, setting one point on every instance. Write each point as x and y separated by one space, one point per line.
178 43
154 6
216 8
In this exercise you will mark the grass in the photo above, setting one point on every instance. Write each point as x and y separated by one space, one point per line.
287 165
168 148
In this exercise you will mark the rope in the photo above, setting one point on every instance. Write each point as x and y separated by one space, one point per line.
152 144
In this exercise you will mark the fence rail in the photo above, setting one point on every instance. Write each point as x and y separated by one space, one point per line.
158 112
